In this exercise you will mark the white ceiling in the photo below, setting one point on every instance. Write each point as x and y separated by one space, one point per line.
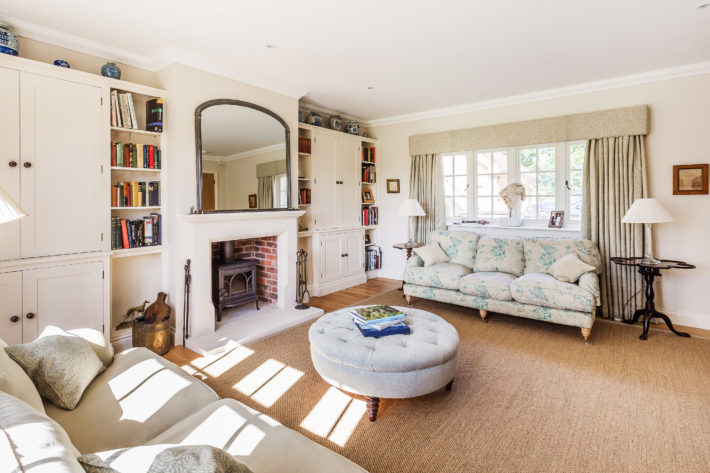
228 130
418 54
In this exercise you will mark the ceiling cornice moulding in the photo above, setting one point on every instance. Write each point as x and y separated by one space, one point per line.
606 84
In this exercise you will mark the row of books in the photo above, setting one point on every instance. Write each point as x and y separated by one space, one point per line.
304 145
370 216
368 154
368 173
123 114
136 233
379 321
135 155
373 258
135 194
304 196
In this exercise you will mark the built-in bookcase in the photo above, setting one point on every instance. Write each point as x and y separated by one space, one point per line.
370 210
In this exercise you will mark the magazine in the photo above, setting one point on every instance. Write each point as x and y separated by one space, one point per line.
375 314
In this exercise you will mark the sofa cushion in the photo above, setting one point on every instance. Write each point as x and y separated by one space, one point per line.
61 366
136 398
490 285
255 439
444 275
32 442
503 255
459 245
540 253
163 459
432 254
544 290
569 268
14 381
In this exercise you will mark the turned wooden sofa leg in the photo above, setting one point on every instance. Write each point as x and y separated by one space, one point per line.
409 299
484 314
586 332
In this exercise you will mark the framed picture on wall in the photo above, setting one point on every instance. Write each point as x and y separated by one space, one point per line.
557 218
393 186
252 201
690 179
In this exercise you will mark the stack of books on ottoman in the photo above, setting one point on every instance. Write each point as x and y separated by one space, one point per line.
379 321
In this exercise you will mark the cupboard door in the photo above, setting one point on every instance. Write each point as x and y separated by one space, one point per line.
11 308
325 189
354 242
68 297
61 186
10 157
331 258
349 164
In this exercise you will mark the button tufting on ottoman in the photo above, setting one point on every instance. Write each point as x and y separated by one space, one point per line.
396 366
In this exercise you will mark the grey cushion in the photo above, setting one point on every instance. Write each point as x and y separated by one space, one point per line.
254 439
138 396
163 459
32 442
14 380
397 366
60 366
490 285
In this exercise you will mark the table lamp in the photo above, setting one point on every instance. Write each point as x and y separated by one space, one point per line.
9 209
647 212
411 208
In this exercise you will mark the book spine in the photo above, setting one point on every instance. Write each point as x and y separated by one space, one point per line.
124 233
132 111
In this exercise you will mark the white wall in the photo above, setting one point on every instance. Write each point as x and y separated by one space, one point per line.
680 134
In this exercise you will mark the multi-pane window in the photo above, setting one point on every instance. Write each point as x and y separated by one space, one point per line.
537 173
280 191
491 177
456 184
551 174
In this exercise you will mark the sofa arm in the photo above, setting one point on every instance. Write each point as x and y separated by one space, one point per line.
413 262
590 282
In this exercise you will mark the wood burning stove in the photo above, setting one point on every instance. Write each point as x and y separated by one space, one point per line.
233 282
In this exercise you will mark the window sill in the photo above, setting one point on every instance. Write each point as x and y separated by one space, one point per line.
525 230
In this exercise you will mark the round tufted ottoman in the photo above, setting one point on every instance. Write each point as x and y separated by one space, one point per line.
396 366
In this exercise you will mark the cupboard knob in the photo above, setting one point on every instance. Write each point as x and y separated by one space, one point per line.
12 164
30 315
14 318
27 164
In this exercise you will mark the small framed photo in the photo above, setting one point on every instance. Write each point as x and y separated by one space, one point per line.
690 179
367 196
252 201
393 186
557 218
367 239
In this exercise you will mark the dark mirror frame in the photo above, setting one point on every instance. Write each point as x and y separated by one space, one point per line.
198 145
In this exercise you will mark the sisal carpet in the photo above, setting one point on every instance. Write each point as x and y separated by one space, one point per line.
529 396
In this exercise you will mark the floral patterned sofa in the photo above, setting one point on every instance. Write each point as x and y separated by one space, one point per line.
507 276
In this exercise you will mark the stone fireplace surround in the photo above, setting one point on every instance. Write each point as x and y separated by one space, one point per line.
197 234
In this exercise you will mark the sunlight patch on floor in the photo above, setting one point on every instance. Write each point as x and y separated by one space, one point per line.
350 419
277 387
257 378
326 413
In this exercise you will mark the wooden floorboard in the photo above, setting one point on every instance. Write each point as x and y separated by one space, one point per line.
374 287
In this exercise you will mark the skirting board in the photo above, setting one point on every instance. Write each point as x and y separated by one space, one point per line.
688 319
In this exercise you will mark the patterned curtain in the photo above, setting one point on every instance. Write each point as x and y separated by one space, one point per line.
265 192
426 184
615 176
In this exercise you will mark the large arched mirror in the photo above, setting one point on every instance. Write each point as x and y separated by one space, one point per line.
243 158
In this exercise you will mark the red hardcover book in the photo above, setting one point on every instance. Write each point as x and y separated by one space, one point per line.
124 233
151 161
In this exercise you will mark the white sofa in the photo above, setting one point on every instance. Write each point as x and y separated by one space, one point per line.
143 399
508 276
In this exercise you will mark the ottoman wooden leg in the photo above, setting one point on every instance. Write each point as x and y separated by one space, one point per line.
448 386
373 403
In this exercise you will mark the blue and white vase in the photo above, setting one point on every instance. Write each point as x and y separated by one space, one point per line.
335 122
62 63
316 119
353 128
8 41
110 69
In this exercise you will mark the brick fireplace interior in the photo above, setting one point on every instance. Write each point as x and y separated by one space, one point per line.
265 251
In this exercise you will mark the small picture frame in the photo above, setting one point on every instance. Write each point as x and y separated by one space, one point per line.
690 179
252 201
393 186
367 239
367 196
557 218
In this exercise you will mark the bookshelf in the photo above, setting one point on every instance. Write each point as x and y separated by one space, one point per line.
370 210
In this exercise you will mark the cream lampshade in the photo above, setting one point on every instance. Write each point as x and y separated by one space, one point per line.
411 208
9 209
647 212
